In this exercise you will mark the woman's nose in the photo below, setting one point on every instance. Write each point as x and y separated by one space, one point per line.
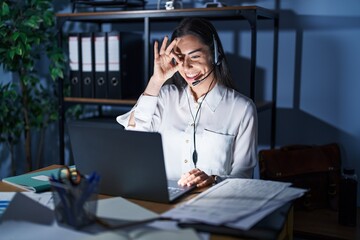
187 63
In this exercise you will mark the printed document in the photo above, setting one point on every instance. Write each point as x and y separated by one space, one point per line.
228 201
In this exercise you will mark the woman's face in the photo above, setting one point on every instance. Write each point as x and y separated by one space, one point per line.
196 59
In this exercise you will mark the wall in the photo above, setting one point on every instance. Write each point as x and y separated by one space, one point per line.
319 74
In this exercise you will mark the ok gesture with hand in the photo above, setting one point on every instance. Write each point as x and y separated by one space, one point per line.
164 66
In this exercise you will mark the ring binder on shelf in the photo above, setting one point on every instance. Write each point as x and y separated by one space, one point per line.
125 52
87 65
74 64
113 67
100 65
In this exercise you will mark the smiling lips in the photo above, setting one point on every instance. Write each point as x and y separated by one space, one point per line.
192 77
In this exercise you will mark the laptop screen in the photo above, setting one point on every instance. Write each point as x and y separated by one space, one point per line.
130 163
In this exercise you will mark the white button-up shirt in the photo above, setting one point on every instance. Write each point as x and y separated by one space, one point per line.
226 130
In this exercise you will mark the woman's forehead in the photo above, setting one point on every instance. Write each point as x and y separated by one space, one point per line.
189 44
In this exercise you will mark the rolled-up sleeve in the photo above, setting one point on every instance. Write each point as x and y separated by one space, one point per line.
143 111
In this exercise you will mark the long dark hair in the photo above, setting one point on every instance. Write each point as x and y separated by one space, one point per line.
207 34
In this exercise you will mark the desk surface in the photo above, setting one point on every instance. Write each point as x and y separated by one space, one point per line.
284 233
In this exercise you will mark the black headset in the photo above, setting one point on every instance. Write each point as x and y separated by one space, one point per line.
217 55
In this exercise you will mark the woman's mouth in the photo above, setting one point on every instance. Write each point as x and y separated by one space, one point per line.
192 76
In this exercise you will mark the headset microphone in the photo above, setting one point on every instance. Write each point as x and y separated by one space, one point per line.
200 80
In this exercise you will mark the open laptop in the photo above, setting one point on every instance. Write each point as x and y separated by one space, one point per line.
130 163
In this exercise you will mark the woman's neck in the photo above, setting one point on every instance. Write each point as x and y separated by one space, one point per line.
202 89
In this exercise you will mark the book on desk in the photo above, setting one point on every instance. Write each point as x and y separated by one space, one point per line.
34 181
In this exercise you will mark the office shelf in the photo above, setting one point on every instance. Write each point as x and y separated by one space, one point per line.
251 14
101 101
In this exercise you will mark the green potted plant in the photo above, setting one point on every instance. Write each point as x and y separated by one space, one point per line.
10 127
27 34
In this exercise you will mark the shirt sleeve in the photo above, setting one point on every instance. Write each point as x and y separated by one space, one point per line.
144 111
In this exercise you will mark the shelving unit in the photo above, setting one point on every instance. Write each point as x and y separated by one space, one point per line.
251 14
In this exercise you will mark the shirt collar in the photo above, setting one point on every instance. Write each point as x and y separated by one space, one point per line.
212 99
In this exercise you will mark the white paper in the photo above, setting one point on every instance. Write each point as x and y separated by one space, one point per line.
283 197
173 225
122 209
146 234
228 201
23 208
20 230
44 198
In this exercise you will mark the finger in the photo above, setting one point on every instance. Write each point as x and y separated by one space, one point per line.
197 178
185 180
156 53
170 48
163 45
209 181
182 181
186 177
176 57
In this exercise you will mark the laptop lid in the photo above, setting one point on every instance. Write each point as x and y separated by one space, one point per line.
130 163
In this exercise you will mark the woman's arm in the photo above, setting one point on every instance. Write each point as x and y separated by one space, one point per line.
164 68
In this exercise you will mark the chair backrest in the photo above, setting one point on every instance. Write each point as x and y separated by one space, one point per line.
316 168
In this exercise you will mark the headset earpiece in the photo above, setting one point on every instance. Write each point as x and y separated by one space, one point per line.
216 52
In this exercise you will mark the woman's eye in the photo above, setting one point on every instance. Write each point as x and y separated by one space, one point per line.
195 57
180 56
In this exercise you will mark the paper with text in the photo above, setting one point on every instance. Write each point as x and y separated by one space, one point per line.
228 201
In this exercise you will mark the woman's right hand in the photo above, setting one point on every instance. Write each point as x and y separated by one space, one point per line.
164 66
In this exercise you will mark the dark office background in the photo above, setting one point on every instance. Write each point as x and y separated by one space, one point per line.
318 74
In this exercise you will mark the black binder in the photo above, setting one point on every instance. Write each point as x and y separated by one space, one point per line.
100 65
74 65
125 58
87 62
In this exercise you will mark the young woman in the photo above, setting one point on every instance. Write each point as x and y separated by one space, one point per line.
209 130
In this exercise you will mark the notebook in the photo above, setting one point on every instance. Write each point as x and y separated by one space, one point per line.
35 182
130 163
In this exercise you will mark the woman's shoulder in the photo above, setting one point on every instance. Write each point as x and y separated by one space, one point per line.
235 96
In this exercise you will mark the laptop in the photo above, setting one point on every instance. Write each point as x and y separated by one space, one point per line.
130 163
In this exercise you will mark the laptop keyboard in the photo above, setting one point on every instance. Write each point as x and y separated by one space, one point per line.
174 191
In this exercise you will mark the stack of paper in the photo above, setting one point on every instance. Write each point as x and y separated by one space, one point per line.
236 203
30 216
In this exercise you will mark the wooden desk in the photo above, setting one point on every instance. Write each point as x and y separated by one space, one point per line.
285 233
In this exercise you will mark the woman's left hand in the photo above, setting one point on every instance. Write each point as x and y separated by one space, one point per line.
196 177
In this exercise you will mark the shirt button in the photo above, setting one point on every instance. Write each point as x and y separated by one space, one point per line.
187 140
185 161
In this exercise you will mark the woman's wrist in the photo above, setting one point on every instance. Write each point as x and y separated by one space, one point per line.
153 87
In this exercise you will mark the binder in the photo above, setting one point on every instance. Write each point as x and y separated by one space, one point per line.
100 65
113 65
74 65
125 58
87 83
